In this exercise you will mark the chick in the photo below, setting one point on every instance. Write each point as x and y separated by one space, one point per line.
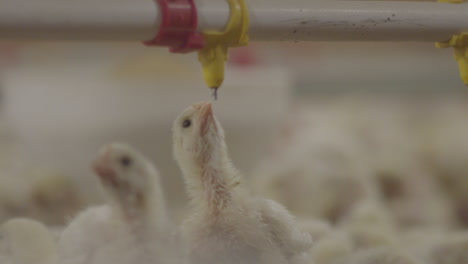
440 248
26 241
453 250
408 189
370 213
44 195
227 224
316 228
370 225
53 197
421 241
412 194
134 227
318 171
323 169
332 248
380 255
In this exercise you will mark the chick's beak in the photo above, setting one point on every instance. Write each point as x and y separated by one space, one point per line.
101 166
207 118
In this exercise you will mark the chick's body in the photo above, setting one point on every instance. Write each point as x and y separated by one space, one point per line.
237 235
88 232
248 230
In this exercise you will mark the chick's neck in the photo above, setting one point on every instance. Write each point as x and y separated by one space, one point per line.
211 180
144 210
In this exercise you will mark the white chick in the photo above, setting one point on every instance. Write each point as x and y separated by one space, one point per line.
440 248
26 241
332 248
39 194
316 228
53 197
453 250
370 225
380 255
134 227
414 197
408 189
366 238
420 241
227 225
318 172
332 175
370 213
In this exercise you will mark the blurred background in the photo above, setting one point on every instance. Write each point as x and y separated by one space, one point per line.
317 126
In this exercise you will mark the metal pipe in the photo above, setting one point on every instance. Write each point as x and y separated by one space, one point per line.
357 21
271 20
93 20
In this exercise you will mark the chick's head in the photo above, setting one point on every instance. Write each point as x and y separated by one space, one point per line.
124 173
198 136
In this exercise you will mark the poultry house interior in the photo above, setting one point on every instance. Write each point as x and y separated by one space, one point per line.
317 153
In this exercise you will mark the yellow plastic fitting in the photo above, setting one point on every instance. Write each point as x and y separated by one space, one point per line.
215 53
460 46
459 43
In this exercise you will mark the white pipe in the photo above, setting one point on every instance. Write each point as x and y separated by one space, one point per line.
78 19
94 20
271 20
357 21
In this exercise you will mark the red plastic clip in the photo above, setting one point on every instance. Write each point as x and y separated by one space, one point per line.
178 28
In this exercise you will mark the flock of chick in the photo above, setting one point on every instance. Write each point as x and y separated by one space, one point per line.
353 217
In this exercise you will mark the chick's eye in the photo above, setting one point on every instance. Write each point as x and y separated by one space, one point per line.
186 123
125 161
